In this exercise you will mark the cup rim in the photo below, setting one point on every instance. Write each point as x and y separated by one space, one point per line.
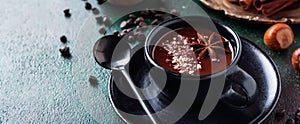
233 63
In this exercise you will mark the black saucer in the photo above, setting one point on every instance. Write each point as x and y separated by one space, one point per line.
253 60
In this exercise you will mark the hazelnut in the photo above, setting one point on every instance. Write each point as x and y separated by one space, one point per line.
279 37
296 59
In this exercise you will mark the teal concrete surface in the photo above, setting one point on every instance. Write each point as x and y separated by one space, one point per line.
38 85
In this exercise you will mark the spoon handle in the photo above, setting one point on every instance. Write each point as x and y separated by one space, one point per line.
139 96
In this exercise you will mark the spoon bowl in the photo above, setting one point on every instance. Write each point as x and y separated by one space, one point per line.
111 52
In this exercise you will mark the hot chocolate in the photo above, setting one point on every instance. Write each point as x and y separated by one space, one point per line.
193 52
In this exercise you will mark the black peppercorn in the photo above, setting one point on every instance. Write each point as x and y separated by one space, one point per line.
65 51
115 32
100 2
140 36
132 16
158 16
130 22
142 29
167 18
154 22
95 11
106 21
142 24
124 25
138 20
99 20
63 39
124 31
152 12
145 13
93 80
102 30
88 6
121 34
67 13
131 38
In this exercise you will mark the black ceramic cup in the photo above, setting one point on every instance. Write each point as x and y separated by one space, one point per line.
232 85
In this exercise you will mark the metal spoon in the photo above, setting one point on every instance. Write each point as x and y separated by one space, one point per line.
109 57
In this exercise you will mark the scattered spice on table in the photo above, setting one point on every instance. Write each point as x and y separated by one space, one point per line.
99 20
124 25
106 21
102 30
142 24
93 80
154 22
280 114
162 9
141 28
115 32
145 13
65 51
136 24
132 16
140 36
131 38
67 13
95 11
88 6
158 16
138 20
63 39
167 18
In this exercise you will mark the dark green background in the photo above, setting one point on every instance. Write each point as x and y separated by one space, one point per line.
37 85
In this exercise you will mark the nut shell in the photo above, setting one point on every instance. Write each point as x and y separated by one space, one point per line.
296 59
279 37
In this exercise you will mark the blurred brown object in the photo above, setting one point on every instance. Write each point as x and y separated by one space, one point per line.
246 4
270 7
233 9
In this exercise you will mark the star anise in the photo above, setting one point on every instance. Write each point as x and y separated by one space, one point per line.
211 46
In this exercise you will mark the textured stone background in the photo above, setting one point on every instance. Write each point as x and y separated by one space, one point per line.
36 83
